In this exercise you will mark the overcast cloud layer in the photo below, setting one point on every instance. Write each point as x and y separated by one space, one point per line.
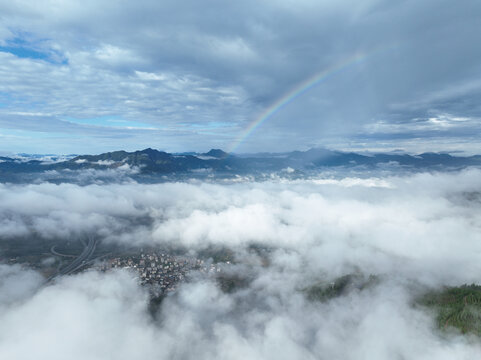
415 232
103 75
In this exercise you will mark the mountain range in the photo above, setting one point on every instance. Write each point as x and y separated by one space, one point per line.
150 161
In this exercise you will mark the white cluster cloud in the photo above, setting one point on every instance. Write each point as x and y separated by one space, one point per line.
414 232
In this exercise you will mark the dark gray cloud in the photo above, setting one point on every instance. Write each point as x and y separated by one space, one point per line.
210 68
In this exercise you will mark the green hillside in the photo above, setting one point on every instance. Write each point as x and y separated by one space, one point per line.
458 307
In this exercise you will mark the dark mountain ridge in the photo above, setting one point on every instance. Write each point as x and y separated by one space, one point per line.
151 161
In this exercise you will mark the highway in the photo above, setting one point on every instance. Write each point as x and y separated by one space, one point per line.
80 260
56 253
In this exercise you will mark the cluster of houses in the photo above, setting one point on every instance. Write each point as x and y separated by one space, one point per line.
164 271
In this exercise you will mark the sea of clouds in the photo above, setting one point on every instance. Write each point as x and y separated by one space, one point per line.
413 232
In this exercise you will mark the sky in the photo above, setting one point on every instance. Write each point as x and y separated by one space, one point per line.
95 76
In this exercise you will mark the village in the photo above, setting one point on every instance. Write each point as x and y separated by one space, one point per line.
162 271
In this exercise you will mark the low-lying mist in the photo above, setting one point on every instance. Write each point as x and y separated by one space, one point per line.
411 233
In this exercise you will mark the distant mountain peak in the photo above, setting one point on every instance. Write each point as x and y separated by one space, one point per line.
149 151
216 153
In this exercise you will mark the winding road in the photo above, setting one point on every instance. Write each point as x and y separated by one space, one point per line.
80 260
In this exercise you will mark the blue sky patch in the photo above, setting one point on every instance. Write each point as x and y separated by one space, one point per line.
33 50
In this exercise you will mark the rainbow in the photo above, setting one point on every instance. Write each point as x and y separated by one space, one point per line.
296 92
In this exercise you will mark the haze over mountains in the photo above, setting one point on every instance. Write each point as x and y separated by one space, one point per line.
150 161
